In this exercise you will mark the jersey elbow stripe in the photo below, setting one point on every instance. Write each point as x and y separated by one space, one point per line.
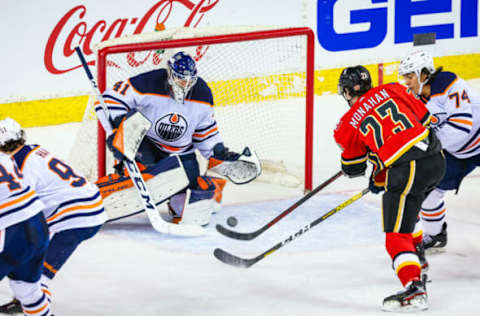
206 138
17 200
76 215
201 130
459 127
471 143
109 98
354 161
200 136
82 208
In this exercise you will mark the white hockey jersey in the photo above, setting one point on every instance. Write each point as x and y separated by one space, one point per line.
70 200
455 108
176 128
18 199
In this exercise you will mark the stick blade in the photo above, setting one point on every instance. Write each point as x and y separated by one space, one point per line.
236 235
232 260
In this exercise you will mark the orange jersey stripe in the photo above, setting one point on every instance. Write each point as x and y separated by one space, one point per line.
35 311
475 143
20 199
207 133
466 122
74 208
107 101
433 214
171 148
49 267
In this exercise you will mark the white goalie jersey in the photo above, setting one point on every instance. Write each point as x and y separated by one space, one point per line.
177 128
70 200
455 108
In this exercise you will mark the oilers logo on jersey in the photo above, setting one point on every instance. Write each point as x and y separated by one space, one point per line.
171 127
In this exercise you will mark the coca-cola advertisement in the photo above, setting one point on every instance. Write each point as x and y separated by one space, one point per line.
41 36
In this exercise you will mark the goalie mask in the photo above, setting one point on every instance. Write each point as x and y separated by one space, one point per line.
182 75
10 131
356 80
417 62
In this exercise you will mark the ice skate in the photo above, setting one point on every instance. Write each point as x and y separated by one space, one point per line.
11 308
420 250
436 243
413 298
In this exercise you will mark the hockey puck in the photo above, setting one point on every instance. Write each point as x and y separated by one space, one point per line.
232 221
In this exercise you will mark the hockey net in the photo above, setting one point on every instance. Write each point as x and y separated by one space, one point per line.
262 84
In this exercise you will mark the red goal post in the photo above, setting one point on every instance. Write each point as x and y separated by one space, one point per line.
138 44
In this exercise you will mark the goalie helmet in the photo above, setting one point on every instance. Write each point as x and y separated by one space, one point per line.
356 80
182 75
10 130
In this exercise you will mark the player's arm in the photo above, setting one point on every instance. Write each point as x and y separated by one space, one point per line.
119 99
354 152
452 119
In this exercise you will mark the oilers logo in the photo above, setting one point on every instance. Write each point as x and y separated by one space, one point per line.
171 127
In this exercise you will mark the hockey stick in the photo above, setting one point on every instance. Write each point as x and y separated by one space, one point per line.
233 260
153 215
249 236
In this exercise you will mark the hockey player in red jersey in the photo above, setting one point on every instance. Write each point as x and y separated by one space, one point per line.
388 126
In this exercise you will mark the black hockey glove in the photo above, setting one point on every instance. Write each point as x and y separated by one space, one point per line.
376 183
221 152
373 188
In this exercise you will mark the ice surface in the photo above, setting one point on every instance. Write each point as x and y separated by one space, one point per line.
338 268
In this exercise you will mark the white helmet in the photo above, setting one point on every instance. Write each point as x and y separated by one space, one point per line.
415 62
9 130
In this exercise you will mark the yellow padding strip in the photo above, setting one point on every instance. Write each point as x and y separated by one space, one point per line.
232 92
46 112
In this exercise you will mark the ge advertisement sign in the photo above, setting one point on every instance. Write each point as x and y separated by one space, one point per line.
346 25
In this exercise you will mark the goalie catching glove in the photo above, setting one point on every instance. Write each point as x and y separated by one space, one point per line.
238 168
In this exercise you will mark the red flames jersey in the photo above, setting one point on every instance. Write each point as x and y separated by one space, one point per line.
386 122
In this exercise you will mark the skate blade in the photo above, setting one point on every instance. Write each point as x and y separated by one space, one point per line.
416 304
434 251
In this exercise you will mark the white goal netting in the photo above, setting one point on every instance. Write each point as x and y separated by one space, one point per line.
259 89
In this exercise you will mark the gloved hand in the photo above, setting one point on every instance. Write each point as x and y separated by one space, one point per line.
116 153
374 188
221 152
377 181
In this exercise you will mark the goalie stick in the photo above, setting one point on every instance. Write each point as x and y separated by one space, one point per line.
249 236
233 260
156 220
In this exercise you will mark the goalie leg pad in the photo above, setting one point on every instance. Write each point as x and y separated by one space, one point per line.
215 184
163 180
192 207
